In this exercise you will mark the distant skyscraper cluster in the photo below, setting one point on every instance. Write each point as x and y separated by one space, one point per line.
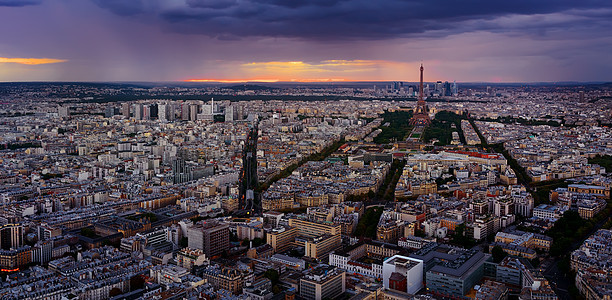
169 111
440 89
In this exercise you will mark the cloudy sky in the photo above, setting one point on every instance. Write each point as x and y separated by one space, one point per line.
301 40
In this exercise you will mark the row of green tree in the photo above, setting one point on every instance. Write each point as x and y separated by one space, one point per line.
368 223
541 189
521 174
441 128
604 161
14 146
571 229
513 120
398 129
569 232
319 156
387 189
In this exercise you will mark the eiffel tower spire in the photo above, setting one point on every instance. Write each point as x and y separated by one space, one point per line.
420 116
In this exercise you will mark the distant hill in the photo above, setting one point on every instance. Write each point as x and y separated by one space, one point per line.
252 87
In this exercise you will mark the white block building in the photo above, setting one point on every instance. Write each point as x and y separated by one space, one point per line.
410 268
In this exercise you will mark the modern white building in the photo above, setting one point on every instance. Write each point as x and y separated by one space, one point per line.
548 212
346 262
401 272
414 242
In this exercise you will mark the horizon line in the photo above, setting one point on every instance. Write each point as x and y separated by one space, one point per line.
273 81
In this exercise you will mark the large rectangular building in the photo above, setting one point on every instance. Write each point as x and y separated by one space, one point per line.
548 212
451 272
11 236
322 282
366 258
212 237
312 229
600 191
320 247
281 238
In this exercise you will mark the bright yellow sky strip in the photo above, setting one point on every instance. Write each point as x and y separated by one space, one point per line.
31 61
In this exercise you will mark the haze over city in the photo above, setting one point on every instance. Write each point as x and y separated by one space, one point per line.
339 40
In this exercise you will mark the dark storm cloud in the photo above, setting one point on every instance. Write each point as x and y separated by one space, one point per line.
19 3
122 7
350 19
215 4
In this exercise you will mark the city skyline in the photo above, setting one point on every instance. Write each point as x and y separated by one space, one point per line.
320 41
305 149
305 191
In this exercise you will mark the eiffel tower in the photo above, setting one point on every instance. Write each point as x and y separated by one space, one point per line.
420 116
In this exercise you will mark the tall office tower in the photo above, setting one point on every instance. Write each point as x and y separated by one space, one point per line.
240 112
229 113
397 85
154 111
138 107
162 112
421 117
125 109
455 89
63 111
447 89
185 111
193 112
11 236
210 236
181 171
146 112
207 111
581 96
439 87
109 112
247 199
171 111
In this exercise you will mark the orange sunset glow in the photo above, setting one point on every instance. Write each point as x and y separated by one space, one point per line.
31 61
267 80
323 71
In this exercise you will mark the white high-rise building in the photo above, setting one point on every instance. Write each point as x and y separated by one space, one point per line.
171 111
185 111
229 113
125 109
193 112
138 111
162 112
207 113
63 111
